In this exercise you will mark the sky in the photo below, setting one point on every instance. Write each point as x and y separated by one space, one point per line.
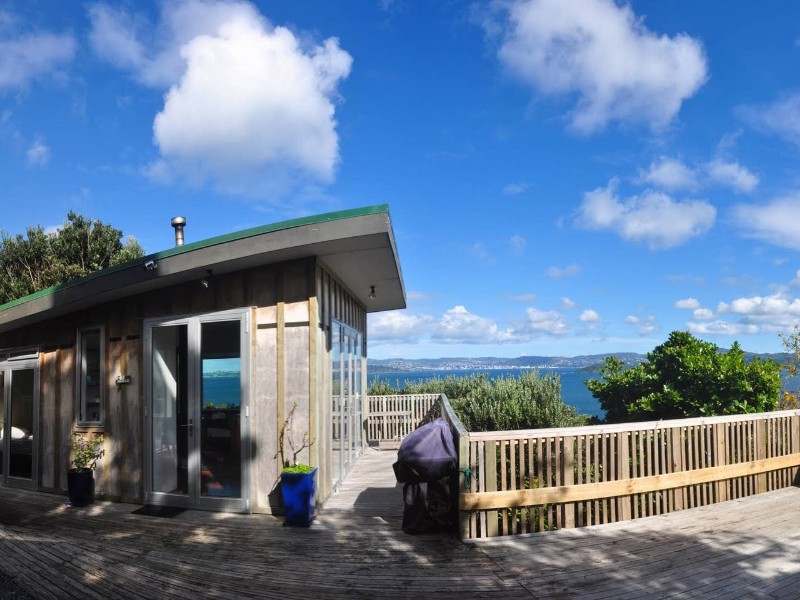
564 177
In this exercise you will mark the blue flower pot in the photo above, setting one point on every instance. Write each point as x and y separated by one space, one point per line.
80 486
299 494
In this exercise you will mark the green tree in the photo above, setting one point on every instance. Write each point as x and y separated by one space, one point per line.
38 260
791 343
686 377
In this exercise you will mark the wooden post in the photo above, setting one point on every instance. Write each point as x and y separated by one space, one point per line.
623 472
463 464
720 459
569 478
490 482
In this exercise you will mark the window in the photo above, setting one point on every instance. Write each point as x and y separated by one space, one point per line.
90 376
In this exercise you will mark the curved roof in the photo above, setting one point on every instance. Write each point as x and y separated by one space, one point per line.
356 245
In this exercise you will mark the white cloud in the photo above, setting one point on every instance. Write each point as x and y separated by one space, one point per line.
565 273
397 325
670 173
721 328
547 322
781 117
702 314
652 218
589 316
603 54
688 303
30 56
775 313
644 325
250 106
38 154
774 222
756 307
514 189
517 243
567 304
458 325
732 175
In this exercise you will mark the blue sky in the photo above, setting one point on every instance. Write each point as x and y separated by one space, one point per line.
564 176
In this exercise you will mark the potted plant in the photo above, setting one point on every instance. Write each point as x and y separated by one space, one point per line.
298 489
298 480
80 478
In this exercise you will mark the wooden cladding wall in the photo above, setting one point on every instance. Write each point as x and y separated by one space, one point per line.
537 480
286 287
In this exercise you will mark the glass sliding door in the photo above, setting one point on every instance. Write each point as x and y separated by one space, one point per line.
336 402
221 413
198 389
19 384
346 399
170 420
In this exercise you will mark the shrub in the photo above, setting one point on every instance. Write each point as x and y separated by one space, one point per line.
485 403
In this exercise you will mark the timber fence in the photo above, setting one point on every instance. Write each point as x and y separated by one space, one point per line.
514 482
391 418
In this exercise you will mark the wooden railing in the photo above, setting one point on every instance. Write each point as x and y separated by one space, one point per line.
537 480
513 482
390 418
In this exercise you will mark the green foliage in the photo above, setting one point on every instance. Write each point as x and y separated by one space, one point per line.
686 377
298 468
791 343
86 452
497 404
38 260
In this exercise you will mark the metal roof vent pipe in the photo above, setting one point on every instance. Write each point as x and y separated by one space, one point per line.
178 223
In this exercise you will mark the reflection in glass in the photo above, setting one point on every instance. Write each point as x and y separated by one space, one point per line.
21 434
221 401
90 406
170 410
336 398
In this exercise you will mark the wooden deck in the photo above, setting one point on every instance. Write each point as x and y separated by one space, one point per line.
747 548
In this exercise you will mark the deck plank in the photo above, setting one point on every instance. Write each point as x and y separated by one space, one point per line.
355 548
746 548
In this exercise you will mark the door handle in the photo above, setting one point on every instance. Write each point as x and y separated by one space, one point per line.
190 426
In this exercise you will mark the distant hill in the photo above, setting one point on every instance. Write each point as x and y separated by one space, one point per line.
396 365
585 362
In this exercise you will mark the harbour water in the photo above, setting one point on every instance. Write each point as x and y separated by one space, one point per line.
573 389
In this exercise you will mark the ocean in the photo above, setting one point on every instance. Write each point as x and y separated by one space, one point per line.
573 390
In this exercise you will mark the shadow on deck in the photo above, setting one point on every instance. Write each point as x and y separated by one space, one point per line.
746 548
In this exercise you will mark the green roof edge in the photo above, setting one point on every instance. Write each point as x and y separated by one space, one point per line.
220 239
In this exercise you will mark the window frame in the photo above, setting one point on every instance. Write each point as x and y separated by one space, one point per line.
81 369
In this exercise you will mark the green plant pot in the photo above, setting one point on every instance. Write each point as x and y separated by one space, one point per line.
299 496
80 486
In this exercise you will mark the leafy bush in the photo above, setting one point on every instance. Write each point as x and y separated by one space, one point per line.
86 452
686 377
485 403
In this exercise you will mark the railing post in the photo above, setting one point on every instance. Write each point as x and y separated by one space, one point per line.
623 472
720 459
463 465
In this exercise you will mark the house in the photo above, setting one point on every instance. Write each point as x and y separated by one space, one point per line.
194 362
